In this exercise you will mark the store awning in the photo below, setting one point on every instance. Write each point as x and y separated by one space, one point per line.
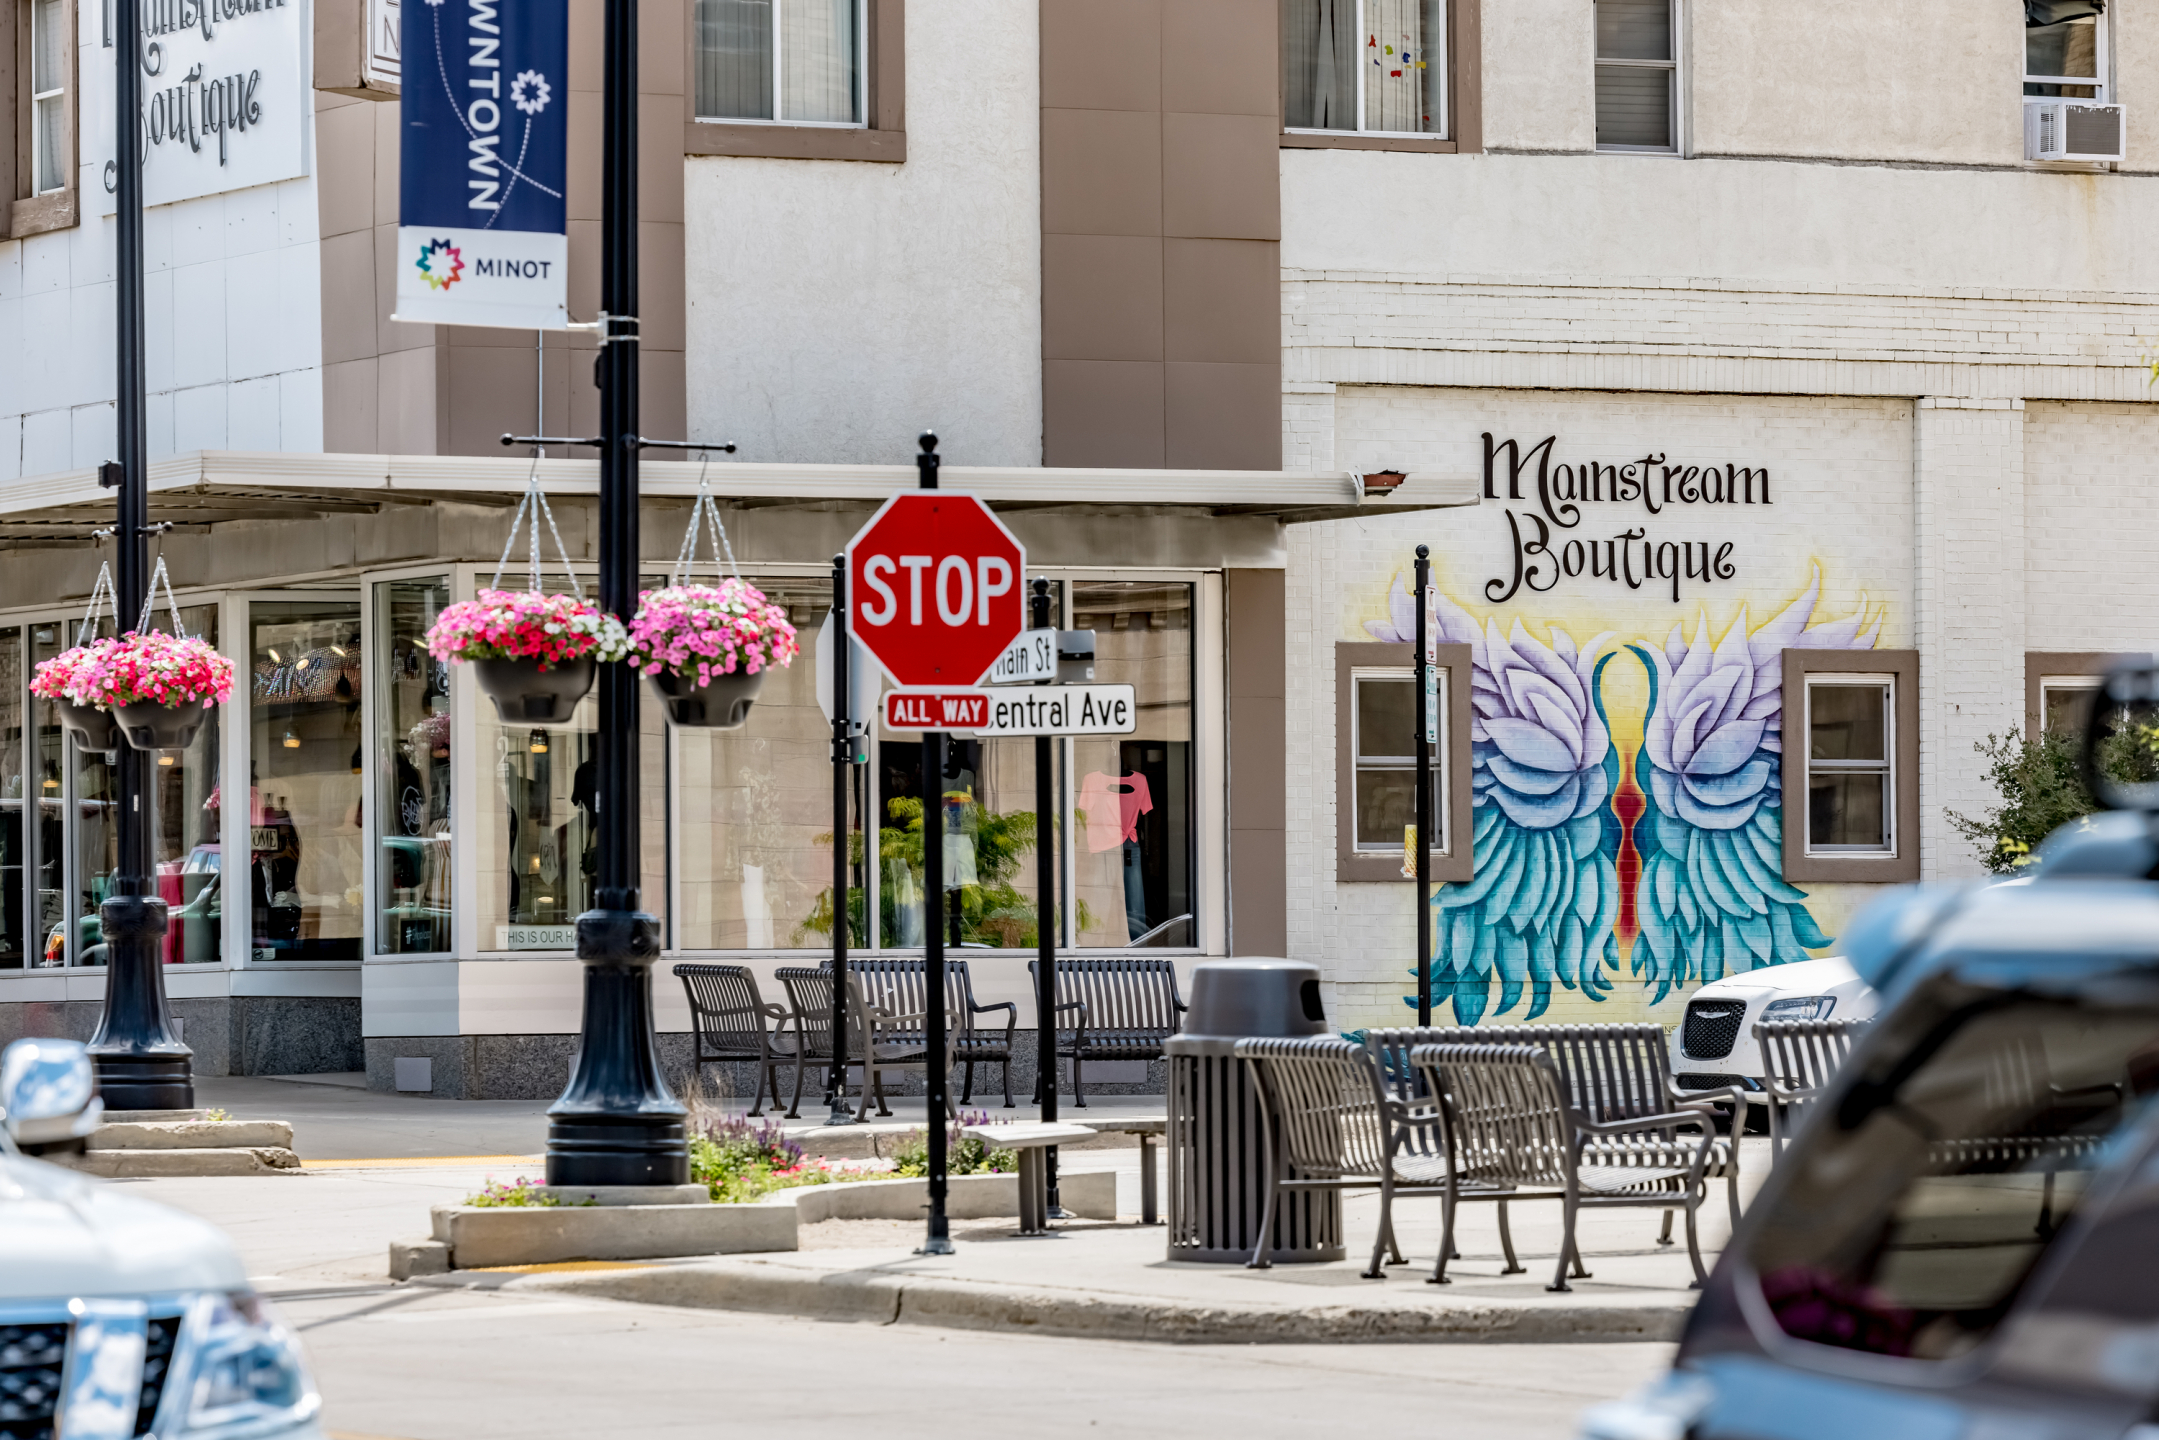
204 488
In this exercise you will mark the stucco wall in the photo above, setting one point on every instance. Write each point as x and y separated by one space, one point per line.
1539 92
2091 526
836 308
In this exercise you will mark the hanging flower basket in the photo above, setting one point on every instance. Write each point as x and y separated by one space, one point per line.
93 729
707 648
157 685
533 655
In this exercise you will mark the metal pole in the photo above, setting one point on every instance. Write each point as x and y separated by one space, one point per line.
617 1123
141 1063
843 743
1046 921
939 1239
1424 790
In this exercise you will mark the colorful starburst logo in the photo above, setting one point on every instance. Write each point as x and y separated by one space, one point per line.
441 265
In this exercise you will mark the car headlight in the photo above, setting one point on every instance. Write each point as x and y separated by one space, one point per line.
1811 1007
243 1374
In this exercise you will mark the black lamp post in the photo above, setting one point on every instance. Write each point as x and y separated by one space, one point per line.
1423 858
141 1064
617 1123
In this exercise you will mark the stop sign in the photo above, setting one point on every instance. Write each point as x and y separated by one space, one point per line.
934 588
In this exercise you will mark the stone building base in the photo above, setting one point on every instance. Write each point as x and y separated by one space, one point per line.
230 1034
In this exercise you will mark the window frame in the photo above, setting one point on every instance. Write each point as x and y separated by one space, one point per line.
30 212
1900 670
1455 862
881 135
2102 62
1461 83
2060 669
1674 98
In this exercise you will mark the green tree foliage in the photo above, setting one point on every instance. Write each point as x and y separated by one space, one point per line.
2041 789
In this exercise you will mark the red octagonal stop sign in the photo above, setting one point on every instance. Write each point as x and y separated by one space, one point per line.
934 587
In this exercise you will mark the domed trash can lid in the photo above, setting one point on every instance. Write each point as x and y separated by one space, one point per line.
1236 999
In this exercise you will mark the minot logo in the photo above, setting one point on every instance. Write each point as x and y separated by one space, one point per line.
441 264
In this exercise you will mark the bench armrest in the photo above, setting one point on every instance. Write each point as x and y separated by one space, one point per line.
1011 1009
1671 1120
1731 1095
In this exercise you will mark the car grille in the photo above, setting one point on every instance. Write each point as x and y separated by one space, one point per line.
1711 1028
33 1358
1712 1082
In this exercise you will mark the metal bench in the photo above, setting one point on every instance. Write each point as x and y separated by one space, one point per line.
897 985
1609 1073
1126 1009
1513 1132
876 1039
1799 1057
1328 1122
727 1019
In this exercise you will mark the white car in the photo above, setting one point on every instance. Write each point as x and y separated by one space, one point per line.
120 1317
1716 1038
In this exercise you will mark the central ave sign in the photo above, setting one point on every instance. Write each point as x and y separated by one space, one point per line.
1019 710
934 588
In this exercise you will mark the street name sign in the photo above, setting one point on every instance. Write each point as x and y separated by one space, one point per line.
933 585
1031 657
1028 710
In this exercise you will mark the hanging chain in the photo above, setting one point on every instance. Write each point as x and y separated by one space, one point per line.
160 576
101 591
535 502
705 511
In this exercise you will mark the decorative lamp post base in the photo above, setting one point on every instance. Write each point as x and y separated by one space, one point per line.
141 1063
617 1123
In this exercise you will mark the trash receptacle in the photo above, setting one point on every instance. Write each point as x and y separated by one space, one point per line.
1218 1162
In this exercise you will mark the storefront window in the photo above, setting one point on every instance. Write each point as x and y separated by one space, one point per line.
412 771
48 856
14 935
1132 821
753 828
305 847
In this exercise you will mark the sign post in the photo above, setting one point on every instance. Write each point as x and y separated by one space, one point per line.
1046 912
1427 720
935 585
840 652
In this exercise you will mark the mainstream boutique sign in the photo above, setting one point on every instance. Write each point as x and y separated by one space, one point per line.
224 98
481 234
1544 553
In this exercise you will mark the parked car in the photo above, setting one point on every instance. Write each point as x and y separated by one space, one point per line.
120 1317
1963 1239
1716 1035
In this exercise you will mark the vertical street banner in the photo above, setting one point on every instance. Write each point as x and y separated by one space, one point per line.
482 228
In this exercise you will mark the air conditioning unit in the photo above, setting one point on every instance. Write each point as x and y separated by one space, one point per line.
2072 130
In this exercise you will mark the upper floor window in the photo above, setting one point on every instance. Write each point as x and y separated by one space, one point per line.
1375 67
790 62
2065 49
50 157
1637 76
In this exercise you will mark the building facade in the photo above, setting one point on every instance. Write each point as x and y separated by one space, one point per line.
1777 429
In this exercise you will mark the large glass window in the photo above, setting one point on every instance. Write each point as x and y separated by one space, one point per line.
1930 1192
2065 49
16 805
304 838
48 770
1850 787
1637 74
1132 840
753 824
986 823
1365 66
797 62
412 771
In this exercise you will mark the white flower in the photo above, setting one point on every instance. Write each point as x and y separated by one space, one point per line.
529 92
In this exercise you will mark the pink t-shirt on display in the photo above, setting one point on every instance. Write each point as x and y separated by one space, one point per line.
1113 805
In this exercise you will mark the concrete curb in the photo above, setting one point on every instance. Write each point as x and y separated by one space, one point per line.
192 1135
149 1164
886 1299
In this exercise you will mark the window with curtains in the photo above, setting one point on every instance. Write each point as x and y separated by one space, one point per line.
788 62
1375 67
1637 75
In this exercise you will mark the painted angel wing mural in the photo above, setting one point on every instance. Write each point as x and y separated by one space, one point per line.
1546 893
1713 900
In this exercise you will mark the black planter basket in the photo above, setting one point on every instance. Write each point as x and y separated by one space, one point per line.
93 729
524 694
721 704
147 725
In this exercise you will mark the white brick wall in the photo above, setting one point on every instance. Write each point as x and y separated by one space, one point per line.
2091 525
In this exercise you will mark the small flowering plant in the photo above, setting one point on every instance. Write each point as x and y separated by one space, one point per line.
524 625
155 668
700 631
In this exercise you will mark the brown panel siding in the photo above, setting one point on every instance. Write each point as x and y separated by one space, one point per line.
1161 216
1255 682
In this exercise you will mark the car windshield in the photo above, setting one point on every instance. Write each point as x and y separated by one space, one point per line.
1923 1198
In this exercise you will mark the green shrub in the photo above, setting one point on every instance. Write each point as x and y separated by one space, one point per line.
2042 789
964 1154
523 1192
